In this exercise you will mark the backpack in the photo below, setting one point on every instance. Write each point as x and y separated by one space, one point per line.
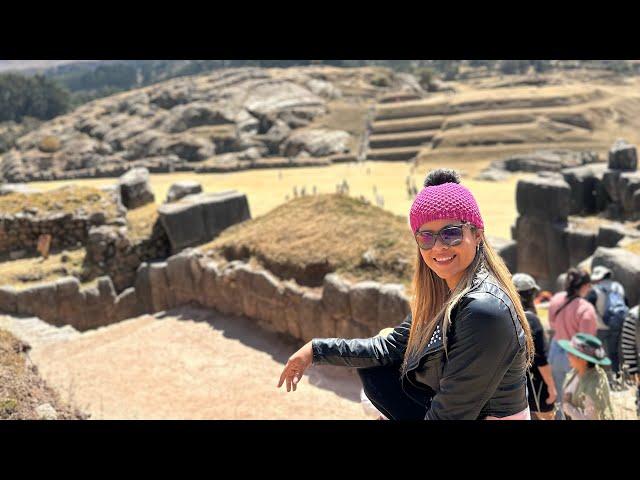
615 310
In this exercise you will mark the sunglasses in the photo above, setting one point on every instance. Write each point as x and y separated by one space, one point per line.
451 235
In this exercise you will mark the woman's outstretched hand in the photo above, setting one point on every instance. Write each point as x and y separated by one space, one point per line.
295 367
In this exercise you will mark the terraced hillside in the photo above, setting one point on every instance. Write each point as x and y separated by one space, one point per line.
488 123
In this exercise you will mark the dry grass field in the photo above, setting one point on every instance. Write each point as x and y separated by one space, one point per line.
268 188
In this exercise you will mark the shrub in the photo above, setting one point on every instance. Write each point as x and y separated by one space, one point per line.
49 144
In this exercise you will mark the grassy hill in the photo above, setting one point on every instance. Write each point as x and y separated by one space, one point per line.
309 237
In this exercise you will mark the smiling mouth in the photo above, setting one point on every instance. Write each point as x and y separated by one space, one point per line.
444 260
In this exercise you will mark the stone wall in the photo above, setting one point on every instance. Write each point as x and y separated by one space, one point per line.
111 252
19 233
338 309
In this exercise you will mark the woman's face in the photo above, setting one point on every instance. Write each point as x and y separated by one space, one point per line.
575 361
450 262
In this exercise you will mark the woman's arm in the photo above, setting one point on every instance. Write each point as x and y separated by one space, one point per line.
363 352
545 372
481 346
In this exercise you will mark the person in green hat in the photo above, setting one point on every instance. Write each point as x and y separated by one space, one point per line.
586 389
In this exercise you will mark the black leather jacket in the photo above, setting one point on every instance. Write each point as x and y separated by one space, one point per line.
483 371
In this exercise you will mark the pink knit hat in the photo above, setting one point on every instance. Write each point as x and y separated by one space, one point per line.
447 200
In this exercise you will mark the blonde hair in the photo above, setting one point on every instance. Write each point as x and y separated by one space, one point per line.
431 299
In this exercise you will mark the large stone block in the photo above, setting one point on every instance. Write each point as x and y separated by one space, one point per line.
623 156
39 301
581 244
585 184
127 305
180 277
143 288
135 189
292 298
363 298
625 267
335 296
162 298
628 185
210 284
181 189
545 198
542 249
310 316
610 179
610 235
508 251
393 306
198 218
8 299
70 301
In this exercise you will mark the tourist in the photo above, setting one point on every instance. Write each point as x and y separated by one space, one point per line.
630 341
541 387
586 394
569 313
466 354
608 297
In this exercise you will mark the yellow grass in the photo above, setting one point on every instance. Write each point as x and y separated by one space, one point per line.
56 199
31 271
265 189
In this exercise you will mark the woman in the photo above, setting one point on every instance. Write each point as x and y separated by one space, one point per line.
586 389
569 313
464 350
542 389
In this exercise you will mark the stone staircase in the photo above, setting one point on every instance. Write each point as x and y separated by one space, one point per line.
401 128
37 332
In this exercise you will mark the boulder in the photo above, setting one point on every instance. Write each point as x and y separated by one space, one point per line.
623 156
70 301
546 160
310 316
542 249
586 189
492 175
508 251
38 300
609 235
628 185
316 142
8 302
393 306
162 297
187 146
182 189
625 267
610 179
135 189
127 305
142 285
181 279
196 114
581 244
363 298
198 218
543 198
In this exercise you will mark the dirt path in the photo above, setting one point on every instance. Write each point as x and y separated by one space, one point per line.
190 364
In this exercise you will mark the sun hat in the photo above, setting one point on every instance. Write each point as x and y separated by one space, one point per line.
599 273
524 282
586 347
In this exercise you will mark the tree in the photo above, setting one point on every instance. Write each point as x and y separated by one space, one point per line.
37 96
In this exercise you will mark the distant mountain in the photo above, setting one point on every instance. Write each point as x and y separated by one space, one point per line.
34 66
